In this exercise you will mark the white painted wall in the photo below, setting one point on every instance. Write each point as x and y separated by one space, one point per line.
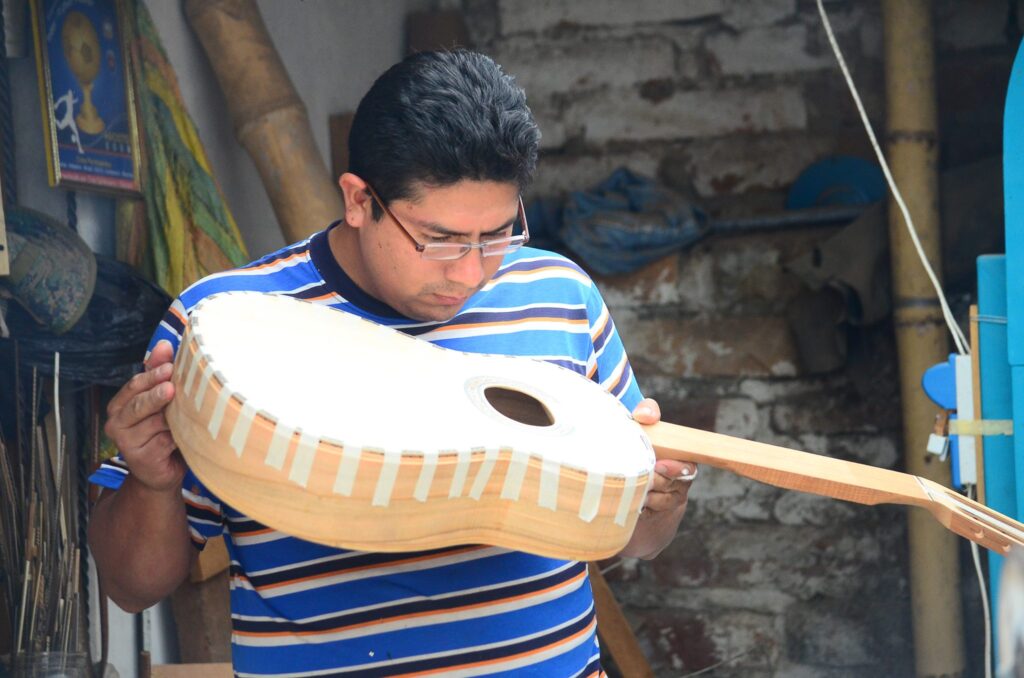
333 50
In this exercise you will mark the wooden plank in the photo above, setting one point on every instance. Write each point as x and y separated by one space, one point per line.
615 632
202 614
212 561
218 670
979 445
5 261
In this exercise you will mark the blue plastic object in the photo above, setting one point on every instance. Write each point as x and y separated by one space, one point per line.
996 396
1001 332
839 180
1013 195
939 383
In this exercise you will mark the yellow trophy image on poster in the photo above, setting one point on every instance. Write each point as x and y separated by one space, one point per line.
82 52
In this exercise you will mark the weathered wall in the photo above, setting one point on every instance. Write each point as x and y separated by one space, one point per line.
730 100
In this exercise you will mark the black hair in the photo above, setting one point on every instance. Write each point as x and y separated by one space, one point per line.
437 118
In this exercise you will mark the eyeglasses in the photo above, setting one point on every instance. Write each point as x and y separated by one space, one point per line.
448 251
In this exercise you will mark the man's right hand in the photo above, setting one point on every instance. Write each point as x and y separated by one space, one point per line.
137 425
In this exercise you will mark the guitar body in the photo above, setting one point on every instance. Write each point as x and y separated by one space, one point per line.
337 430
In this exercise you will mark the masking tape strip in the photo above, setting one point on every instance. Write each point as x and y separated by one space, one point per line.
484 474
628 491
549 472
981 427
302 464
223 398
461 470
422 491
347 468
204 382
514 475
192 369
179 362
386 480
590 504
241 429
279 445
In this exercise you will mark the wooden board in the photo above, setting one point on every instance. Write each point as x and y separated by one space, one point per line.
221 670
202 614
615 632
979 445
211 561
5 262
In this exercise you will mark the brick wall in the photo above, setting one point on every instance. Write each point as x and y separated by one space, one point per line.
729 100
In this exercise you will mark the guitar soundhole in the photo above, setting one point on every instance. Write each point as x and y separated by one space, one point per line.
518 406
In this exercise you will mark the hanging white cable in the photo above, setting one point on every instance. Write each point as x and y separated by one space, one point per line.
984 599
962 345
958 336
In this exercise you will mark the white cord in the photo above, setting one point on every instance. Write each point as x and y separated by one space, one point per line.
984 599
962 345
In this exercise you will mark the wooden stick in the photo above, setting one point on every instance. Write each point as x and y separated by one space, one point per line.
979 445
616 633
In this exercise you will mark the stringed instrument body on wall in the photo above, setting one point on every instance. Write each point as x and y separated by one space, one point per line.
341 431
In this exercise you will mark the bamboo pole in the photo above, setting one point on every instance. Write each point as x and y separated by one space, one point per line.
920 333
269 118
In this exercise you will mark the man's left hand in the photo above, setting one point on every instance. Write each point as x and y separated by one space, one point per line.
666 501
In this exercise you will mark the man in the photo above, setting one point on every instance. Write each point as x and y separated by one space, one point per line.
441 148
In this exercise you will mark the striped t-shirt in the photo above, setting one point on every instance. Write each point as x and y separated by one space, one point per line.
302 609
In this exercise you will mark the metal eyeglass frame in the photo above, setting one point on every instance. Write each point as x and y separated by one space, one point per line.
509 244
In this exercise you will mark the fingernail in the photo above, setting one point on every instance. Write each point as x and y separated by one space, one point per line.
164 391
644 411
687 474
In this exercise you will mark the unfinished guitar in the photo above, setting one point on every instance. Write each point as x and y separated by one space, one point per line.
334 429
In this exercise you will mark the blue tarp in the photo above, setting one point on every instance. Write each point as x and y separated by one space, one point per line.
628 221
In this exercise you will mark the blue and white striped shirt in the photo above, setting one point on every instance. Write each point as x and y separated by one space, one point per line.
302 609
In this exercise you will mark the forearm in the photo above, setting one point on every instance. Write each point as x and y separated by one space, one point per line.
139 538
654 531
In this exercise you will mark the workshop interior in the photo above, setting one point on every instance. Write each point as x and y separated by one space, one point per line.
806 218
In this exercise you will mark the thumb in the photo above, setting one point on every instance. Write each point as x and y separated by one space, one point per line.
161 354
671 468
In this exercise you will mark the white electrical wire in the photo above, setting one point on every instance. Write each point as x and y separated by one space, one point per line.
958 336
962 345
984 599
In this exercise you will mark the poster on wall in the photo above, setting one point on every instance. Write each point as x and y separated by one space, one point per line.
92 139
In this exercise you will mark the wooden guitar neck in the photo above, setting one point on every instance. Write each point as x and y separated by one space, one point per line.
829 477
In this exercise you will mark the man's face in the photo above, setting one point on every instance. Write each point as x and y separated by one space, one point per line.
394 272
